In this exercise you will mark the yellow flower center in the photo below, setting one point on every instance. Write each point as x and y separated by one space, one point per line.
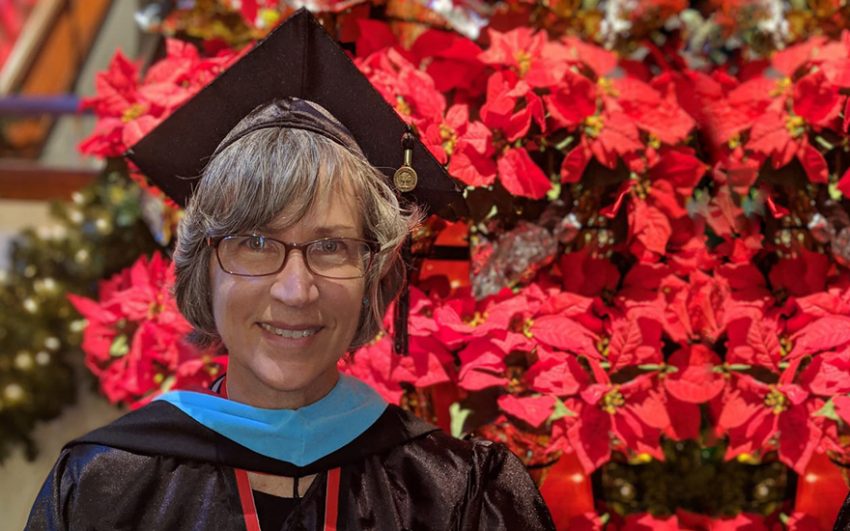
402 106
602 346
593 125
526 328
780 87
795 125
132 112
613 400
785 346
478 318
734 142
523 62
449 138
776 401
606 86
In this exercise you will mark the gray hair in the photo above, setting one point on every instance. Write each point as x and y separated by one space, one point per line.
280 171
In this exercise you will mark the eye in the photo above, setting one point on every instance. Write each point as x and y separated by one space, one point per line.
330 246
255 242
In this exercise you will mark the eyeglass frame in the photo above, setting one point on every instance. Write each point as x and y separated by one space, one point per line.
374 250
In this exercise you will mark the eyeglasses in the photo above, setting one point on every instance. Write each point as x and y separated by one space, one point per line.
255 255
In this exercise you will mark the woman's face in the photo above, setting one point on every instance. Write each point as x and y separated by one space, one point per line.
260 319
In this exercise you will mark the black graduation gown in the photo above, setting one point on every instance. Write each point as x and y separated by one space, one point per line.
157 468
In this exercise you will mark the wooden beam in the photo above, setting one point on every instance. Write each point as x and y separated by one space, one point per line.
30 181
35 30
54 68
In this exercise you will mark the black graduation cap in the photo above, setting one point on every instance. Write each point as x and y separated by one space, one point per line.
298 59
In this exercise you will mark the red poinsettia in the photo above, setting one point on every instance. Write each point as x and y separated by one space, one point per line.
626 417
127 108
759 416
135 340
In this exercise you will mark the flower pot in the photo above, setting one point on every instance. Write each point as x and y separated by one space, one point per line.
821 490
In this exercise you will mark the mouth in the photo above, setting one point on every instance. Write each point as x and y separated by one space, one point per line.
290 333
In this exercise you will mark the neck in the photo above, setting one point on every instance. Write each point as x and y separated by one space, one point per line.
267 398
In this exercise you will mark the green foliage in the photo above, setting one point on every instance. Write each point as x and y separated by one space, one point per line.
88 239
697 479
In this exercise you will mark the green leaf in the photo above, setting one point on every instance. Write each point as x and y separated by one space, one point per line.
563 144
834 193
825 143
554 192
753 203
119 347
458 418
560 411
828 411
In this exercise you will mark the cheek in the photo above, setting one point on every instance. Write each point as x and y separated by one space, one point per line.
350 306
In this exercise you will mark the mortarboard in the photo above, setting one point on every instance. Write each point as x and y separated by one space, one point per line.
298 59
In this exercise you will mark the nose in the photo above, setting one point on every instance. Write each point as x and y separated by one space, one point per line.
294 285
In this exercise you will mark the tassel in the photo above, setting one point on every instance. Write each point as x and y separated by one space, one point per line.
402 307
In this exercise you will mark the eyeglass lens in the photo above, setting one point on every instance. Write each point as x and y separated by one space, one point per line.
331 257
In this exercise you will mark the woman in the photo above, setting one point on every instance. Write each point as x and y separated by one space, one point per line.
287 258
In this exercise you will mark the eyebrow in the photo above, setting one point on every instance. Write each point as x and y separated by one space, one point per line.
321 231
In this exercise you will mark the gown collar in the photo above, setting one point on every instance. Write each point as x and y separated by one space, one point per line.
298 436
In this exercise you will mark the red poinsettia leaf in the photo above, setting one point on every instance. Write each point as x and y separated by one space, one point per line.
565 303
695 381
619 135
664 197
91 310
634 341
589 437
521 176
423 366
801 275
482 366
658 115
374 36
815 98
586 275
737 410
649 226
478 137
684 419
572 102
574 164
565 334
600 60
787 61
837 71
556 373
531 409
827 333
799 437
842 407
826 375
445 44
472 169
770 135
374 364
679 166
813 163
753 340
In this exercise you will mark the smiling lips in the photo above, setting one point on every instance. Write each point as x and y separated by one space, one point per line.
290 333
